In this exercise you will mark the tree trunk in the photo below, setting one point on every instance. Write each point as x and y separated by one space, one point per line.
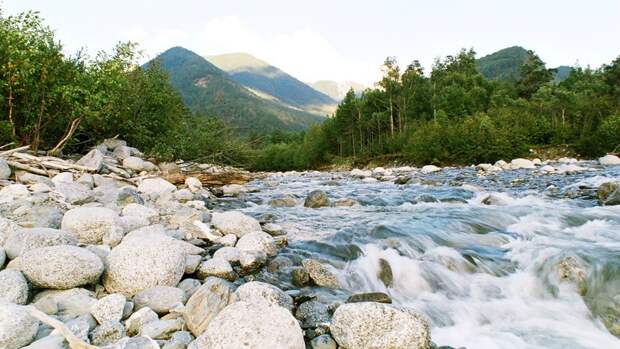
67 136
391 118
13 130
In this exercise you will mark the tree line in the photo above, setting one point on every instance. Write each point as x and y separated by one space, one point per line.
453 115
57 102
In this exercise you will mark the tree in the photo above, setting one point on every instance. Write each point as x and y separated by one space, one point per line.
534 75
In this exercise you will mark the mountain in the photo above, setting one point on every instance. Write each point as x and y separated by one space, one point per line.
505 65
337 90
208 90
271 83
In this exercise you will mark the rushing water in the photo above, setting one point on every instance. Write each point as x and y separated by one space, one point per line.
538 268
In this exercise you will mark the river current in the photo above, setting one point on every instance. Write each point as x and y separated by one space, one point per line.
515 259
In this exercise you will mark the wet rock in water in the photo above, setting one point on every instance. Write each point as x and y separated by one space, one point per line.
13 287
252 260
430 169
237 326
609 193
402 180
59 267
273 229
300 277
213 296
90 224
316 199
217 267
283 201
107 333
233 189
323 342
345 203
257 241
138 319
24 240
426 198
259 292
17 327
609 160
109 308
142 262
378 297
379 326
234 222
320 274
311 314
385 273
573 269
160 299
279 263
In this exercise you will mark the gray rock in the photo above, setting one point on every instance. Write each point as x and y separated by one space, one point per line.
234 222
24 240
316 199
7 227
81 326
60 267
128 195
2 257
13 287
379 326
17 327
378 297
30 178
230 254
90 224
75 193
54 341
191 263
179 340
213 296
109 308
162 329
142 262
283 201
133 163
237 326
14 191
217 267
320 274
73 302
5 170
140 342
193 184
121 152
252 260
609 193
138 319
257 241
156 187
259 292
161 299
311 314
273 229
41 217
93 160
323 342
190 286
345 203
108 333
114 143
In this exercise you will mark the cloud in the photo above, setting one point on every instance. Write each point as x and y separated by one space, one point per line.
303 53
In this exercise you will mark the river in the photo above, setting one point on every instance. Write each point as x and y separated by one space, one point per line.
515 259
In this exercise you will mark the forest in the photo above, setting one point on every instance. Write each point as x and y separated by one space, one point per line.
451 115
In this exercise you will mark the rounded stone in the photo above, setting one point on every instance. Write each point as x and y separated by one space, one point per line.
90 224
13 287
259 292
142 262
213 296
316 199
160 299
246 325
379 326
24 240
234 222
258 241
17 327
60 267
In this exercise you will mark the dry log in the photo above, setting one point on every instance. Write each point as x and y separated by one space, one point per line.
42 172
211 179
74 341
63 166
9 152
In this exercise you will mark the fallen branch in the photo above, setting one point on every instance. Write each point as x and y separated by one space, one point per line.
74 341
20 166
61 144
9 152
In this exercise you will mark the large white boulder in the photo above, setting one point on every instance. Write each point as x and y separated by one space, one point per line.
161 299
519 163
92 160
372 325
90 225
247 325
143 261
133 163
59 267
234 222
24 240
260 292
5 170
109 308
213 296
609 160
17 327
258 241
156 187
360 173
430 169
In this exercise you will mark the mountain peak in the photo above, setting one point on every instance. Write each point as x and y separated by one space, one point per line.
237 61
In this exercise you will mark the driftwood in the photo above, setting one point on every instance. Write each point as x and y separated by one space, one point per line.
31 169
211 179
73 340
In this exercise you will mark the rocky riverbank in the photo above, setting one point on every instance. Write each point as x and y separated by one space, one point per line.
114 251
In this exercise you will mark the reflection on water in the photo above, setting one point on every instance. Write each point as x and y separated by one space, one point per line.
535 265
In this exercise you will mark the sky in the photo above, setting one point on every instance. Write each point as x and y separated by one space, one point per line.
339 39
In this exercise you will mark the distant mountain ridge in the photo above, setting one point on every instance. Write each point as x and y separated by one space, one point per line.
505 65
271 83
206 89
337 90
